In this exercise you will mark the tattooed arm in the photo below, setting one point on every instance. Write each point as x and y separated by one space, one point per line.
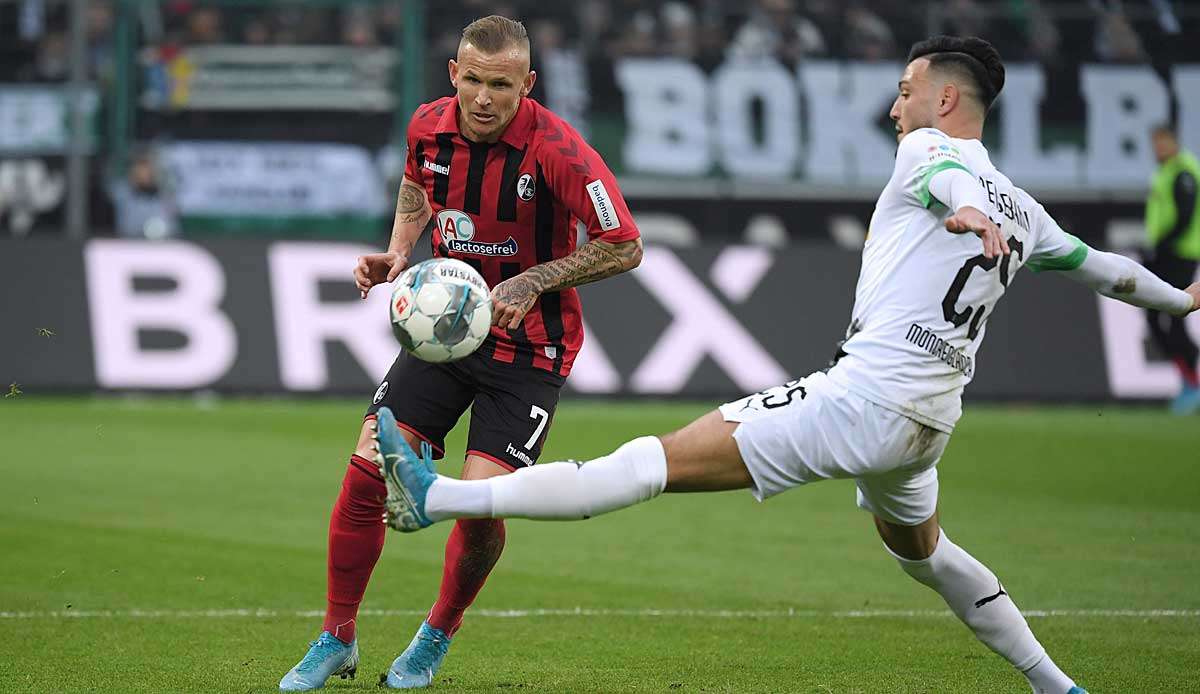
595 260
412 214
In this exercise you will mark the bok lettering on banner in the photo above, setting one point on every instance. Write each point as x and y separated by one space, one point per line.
190 308
750 119
304 323
701 326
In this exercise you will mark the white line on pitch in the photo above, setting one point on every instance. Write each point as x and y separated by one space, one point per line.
578 612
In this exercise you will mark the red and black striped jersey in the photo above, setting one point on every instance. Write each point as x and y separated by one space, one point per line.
504 207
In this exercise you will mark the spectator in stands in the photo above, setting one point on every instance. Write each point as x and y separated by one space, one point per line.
1173 226
869 37
1042 34
52 62
205 26
99 39
143 206
777 30
638 36
563 73
256 32
680 30
358 28
301 25
1116 39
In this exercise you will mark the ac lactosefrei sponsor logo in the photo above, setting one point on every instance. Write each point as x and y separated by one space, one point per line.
458 232
603 204
937 347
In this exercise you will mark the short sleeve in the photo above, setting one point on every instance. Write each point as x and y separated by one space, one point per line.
922 154
578 176
412 168
1053 248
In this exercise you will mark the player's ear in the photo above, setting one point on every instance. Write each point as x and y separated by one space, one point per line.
949 98
453 68
527 85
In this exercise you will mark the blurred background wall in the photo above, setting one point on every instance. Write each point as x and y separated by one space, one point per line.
751 139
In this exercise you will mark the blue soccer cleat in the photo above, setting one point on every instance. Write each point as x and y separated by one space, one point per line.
408 476
1187 402
417 665
326 657
1077 690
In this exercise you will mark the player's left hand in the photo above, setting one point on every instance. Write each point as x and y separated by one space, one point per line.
511 300
978 223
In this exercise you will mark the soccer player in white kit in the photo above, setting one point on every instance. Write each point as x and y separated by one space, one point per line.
883 414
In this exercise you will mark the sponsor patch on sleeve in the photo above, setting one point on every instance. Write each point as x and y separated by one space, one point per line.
603 204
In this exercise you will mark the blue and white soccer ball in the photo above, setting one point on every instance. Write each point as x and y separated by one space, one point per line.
441 310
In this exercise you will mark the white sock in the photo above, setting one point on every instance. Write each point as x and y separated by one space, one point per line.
635 472
451 498
975 595
1046 678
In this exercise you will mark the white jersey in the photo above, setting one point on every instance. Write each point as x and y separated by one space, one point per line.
924 294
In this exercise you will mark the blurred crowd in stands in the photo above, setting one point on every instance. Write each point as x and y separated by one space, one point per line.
575 45
34 33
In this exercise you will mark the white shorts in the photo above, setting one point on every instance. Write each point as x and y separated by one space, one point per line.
813 429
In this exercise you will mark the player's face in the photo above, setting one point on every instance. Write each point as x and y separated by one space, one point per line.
1165 146
916 104
490 88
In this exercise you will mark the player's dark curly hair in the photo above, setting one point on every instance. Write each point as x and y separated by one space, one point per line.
967 57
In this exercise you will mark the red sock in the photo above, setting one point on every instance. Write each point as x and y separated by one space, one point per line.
471 552
1188 372
356 533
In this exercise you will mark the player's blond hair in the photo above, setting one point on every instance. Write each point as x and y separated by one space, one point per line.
494 33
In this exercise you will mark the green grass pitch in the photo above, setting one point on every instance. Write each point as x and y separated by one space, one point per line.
134 531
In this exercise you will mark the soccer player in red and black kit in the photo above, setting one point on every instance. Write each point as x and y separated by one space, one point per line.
504 181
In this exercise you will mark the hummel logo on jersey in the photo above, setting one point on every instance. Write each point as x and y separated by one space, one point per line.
983 601
519 455
437 168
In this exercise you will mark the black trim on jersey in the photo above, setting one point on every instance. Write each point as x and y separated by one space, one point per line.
475 171
488 348
419 157
506 204
441 182
440 250
523 349
543 224
543 235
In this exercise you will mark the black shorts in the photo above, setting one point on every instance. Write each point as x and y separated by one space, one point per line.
511 407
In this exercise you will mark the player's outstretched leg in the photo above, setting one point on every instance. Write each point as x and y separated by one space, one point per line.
326 657
976 596
408 476
701 457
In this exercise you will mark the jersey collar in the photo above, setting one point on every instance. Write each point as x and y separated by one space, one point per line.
516 134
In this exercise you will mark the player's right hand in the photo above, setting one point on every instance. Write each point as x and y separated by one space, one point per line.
378 268
978 223
1194 290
